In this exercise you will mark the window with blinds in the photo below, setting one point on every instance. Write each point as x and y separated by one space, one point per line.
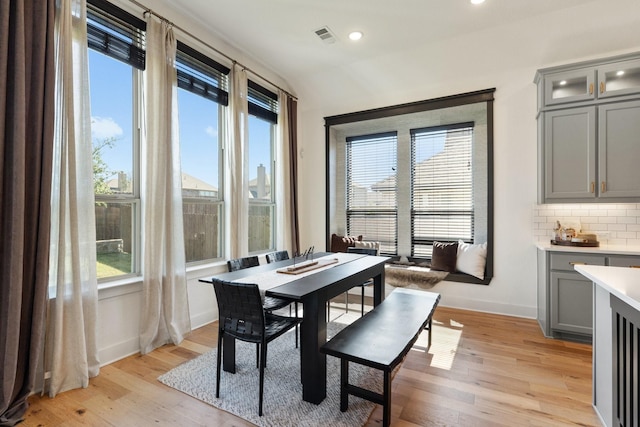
371 162
262 102
116 33
441 186
199 74
263 117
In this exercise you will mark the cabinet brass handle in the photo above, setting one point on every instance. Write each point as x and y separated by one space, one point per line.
602 87
593 187
577 263
603 187
591 89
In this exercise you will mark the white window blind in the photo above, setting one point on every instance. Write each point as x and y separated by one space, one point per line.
371 189
442 186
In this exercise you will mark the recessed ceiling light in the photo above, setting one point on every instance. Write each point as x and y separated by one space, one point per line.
477 1
620 73
355 35
563 82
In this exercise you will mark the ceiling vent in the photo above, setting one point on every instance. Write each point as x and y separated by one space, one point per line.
326 35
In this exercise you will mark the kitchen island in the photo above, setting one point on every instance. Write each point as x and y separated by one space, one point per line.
616 342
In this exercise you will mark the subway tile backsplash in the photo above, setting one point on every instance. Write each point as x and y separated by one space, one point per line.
615 224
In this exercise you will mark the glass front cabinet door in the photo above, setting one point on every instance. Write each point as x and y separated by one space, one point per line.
569 86
620 78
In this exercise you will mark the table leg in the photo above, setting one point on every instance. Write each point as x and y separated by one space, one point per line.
229 354
313 334
378 288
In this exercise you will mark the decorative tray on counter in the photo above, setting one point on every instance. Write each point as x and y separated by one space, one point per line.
587 244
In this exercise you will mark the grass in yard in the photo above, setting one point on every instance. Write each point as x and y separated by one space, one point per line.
113 264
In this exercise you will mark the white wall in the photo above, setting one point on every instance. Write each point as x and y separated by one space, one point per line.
505 58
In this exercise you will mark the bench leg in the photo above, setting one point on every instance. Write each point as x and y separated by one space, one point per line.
430 329
386 395
344 381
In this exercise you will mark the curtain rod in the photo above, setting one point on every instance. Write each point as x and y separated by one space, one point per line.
219 52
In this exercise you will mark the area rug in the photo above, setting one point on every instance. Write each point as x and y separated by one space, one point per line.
413 276
283 404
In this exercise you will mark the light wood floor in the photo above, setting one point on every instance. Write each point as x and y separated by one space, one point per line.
481 370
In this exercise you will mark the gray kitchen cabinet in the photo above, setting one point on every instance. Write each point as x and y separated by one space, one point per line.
619 150
589 131
623 261
619 78
565 297
571 297
570 153
569 86
589 81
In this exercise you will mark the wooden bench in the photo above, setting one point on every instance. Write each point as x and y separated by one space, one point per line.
381 339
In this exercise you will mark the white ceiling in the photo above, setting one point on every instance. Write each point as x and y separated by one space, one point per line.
279 34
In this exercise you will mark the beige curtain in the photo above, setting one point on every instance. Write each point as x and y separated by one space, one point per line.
283 177
237 164
165 307
71 347
26 144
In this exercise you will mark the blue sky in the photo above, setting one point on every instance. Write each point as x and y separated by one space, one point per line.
112 117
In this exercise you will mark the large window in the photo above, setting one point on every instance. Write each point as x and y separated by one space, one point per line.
202 98
263 114
371 188
116 56
412 174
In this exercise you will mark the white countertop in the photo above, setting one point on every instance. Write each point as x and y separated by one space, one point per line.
602 249
623 282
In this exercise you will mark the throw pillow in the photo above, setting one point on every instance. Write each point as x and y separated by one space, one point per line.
341 243
443 256
472 259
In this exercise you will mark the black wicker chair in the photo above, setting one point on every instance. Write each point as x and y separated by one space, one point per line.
242 317
241 263
270 303
277 256
281 256
364 251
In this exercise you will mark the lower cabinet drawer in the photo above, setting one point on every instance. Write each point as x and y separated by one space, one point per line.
566 261
624 261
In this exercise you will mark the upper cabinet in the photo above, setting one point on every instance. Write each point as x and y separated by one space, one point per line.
589 131
569 86
619 78
588 81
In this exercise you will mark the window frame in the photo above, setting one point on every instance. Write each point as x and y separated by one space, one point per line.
416 213
105 10
194 81
263 104
374 117
389 246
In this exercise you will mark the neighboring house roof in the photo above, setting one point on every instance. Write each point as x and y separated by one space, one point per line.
189 182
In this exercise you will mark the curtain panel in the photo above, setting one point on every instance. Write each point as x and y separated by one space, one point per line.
165 306
26 144
292 136
237 165
71 348
286 180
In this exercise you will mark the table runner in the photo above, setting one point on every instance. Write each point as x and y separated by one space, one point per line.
270 279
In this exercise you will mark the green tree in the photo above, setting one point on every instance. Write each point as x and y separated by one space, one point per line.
101 171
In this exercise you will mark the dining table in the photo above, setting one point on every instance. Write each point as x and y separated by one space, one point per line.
338 273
